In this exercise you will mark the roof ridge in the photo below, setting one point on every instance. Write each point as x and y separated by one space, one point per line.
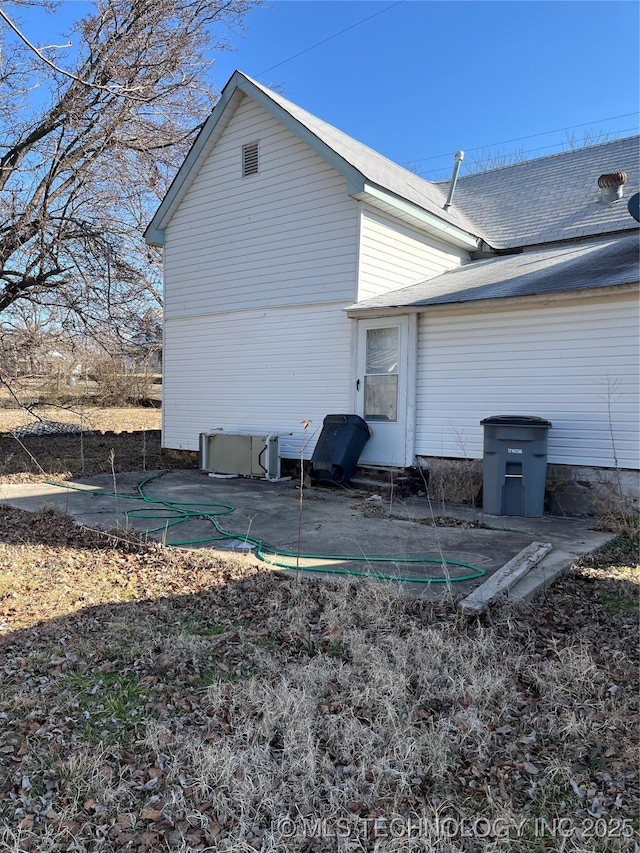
492 206
375 167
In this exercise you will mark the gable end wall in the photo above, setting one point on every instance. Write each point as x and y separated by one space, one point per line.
285 236
257 273
394 255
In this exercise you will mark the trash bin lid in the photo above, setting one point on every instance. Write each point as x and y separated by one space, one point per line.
515 420
353 420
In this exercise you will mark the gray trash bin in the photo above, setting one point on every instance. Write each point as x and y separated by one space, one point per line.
514 466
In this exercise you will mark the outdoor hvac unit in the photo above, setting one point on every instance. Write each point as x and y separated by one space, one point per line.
242 453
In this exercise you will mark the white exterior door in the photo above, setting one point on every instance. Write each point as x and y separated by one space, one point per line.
381 388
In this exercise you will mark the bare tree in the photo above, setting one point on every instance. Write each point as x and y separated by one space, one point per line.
90 136
590 136
487 159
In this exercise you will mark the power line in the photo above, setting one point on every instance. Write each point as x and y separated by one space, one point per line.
446 171
335 35
522 138
467 150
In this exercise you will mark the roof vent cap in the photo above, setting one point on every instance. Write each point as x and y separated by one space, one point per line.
611 186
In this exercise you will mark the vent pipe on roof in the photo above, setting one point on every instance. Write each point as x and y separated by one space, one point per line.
454 179
611 186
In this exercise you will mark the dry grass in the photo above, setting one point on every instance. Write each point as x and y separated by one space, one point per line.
36 458
132 434
454 481
50 399
127 419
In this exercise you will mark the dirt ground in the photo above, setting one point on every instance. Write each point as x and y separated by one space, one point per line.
117 440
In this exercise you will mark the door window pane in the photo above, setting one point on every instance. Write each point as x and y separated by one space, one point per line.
382 350
381 397
381 374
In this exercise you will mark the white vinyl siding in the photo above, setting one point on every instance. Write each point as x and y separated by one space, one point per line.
287 235
574 364
264 370
393 255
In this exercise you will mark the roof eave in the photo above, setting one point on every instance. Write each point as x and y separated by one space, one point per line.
354 312
357 184
426 221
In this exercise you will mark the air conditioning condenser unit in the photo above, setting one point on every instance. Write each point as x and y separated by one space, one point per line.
245 454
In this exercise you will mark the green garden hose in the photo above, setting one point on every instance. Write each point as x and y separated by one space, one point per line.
174 513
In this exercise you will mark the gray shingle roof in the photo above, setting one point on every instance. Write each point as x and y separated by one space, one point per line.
539 201
581 266
374 166
552 198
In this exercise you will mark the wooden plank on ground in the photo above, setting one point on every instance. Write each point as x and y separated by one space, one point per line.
505 578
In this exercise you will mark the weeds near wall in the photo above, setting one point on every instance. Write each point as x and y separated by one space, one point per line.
454 480
618 513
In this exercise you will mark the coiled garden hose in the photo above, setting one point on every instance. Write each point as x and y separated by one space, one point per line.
175 513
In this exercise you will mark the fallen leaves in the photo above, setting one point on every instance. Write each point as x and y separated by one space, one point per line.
153 699
60 568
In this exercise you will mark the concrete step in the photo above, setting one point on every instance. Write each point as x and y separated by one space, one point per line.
400 482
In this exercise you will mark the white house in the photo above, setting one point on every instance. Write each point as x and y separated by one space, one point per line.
305 275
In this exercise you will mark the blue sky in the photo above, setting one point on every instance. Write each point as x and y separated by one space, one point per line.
419 80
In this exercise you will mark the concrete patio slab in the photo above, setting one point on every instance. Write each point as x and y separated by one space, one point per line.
570 537
334 522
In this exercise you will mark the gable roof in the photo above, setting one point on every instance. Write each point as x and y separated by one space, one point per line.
552 198
554 269
368 174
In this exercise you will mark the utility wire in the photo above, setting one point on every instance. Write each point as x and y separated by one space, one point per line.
446 171
530 136
467 150
448 154
328 38
124 93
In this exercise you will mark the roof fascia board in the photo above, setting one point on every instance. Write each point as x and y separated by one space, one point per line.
504 302
429 221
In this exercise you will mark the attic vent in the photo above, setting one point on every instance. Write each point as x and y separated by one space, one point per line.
611 186
250 159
